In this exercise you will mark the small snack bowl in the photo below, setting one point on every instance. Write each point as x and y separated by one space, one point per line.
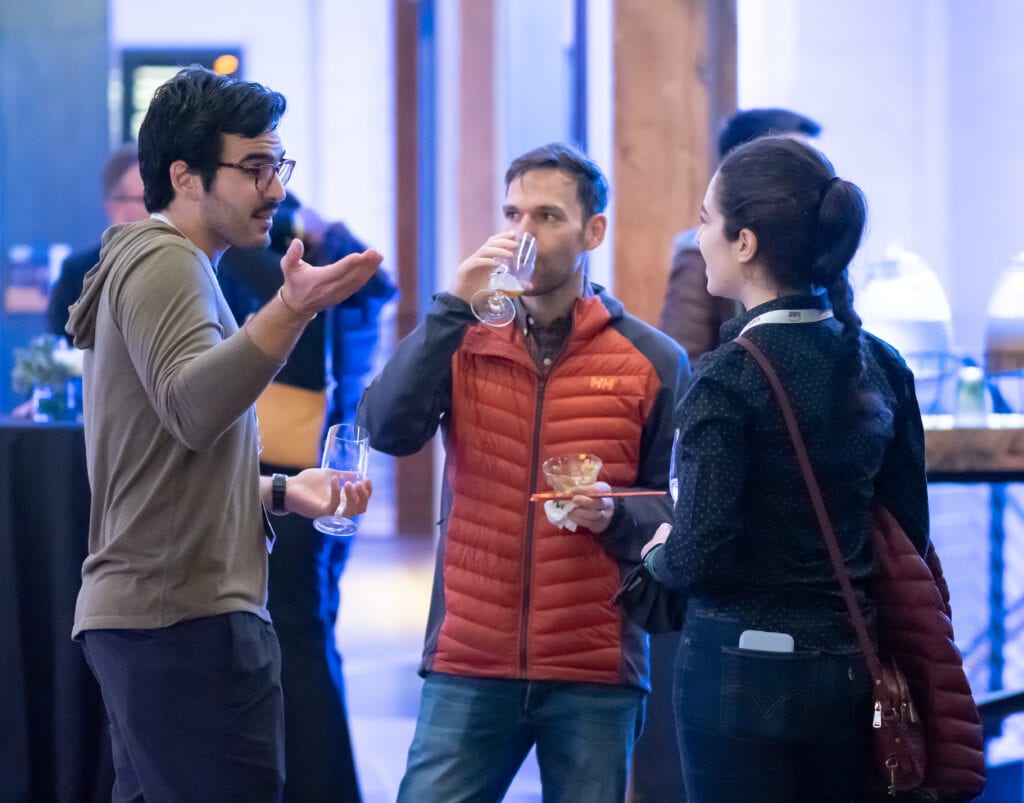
571 470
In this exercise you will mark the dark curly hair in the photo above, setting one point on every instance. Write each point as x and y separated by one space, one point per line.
185 120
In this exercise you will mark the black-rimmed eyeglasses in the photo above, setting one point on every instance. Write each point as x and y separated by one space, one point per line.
264 174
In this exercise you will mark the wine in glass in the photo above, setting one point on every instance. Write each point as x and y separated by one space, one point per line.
346 451
493 306
569 471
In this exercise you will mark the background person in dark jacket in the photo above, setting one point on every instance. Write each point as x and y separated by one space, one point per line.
122 200
321 380
691 315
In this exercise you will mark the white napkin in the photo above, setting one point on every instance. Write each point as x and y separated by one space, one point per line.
557 511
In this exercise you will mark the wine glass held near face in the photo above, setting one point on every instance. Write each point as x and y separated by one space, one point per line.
346 451
510 277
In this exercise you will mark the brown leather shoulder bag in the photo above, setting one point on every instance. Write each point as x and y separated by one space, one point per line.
927 732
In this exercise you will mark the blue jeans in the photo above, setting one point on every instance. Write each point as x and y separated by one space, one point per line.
767 726
473 734
657 775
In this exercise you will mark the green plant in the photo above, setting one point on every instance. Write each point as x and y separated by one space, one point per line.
36 364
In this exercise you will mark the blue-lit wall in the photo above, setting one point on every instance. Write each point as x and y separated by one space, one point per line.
53 141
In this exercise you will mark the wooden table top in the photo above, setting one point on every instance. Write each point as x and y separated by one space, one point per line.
992 453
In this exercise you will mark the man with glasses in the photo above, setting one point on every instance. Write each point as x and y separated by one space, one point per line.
264 174
172 611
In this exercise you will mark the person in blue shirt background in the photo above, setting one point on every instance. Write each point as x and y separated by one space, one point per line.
324 376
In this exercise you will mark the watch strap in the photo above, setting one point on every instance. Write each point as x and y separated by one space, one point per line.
278 484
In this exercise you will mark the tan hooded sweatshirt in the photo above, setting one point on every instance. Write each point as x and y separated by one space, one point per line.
177 525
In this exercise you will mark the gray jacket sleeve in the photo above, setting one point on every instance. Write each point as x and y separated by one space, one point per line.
636 518
404 404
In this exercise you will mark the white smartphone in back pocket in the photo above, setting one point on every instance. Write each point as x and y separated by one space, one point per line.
766 641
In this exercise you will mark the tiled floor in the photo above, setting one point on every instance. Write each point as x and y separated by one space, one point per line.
385 590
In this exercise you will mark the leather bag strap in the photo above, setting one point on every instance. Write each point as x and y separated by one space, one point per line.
824 523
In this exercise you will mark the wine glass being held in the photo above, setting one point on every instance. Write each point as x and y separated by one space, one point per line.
473 274
510 276
523 261
673 478
317 492
346 451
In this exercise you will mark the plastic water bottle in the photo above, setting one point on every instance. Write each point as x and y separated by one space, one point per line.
973 404
1004 336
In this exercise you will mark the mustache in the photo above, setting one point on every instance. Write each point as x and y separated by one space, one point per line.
270 209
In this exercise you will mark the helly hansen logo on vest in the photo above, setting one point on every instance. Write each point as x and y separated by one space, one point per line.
606 383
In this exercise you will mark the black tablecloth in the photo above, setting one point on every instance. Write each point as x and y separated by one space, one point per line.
54 744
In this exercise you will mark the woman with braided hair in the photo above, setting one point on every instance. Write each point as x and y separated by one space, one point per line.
782 712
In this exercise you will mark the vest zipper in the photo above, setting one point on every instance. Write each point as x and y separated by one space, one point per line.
528 541
542 378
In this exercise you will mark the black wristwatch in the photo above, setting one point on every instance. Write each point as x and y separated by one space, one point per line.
277 488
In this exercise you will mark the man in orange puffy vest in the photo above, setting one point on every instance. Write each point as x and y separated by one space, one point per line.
524 646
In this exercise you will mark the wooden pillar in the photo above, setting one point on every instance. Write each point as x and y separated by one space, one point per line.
474 187
675 82
407 163
476 124
413 475
720 70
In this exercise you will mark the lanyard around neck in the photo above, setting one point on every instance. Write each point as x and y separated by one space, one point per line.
788 316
